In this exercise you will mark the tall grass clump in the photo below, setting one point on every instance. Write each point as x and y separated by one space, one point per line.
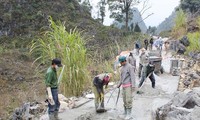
180 24
194 39
70 47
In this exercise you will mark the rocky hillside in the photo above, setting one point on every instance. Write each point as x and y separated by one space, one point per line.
24 20
167 24
136 19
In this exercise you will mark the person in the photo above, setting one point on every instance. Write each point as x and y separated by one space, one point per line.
131 60
151 43
51 82
147 71
137 47
160 44
127 81
98 82
166 44
143 60
146 43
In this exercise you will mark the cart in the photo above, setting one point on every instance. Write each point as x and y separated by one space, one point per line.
156 58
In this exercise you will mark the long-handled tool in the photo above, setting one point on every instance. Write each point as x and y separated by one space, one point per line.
117 98
111 95
60 76
138 91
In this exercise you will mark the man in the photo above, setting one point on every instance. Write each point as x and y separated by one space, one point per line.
160 44
143 61
147 71
132 60
137 46
127 81
151 43
98 83
51 82
146 43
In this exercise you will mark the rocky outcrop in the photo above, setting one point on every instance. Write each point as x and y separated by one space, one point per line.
183 106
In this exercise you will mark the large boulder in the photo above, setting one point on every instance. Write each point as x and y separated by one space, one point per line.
185 41
183 106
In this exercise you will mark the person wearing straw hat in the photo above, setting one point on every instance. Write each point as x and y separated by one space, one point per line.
131 60
51 82
98 82
143 61
127 81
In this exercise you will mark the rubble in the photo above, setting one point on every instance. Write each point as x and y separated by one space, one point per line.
190 76
183 106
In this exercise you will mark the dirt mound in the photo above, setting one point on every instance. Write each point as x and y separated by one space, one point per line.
19 83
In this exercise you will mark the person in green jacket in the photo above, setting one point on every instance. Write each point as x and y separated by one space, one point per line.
98 82
51 82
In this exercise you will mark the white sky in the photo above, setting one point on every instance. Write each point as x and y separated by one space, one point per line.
161 9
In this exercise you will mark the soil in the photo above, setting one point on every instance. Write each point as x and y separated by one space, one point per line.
18 82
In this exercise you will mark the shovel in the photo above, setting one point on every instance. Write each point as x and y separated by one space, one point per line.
140 92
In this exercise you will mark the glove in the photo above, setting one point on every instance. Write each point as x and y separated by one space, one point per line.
50 97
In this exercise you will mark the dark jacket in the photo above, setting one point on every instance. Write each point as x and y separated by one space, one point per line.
98 82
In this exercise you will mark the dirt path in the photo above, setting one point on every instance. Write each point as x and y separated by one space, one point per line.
143 104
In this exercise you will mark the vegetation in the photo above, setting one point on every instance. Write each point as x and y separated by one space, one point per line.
69 46
102 9
137 28
190 5
194 39
119 8
180 24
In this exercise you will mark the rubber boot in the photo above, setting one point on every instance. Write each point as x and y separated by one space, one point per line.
153 84
101 108
125 111
56 116
128 115
51 117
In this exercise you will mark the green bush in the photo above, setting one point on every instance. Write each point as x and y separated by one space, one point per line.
194 39
69 46
180 24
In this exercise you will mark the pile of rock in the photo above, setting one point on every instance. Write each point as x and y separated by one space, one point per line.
183 106
36 109
28 111
190 76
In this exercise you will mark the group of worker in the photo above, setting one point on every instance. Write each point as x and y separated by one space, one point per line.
127 81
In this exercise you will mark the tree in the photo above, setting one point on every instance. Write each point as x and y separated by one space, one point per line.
151 30
121 7
86 4
137 28
101 6
192 5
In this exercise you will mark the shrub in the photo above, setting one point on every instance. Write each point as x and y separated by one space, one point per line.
194 39
180 24
69 46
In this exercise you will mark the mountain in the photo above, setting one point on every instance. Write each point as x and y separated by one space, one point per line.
167 24
136 19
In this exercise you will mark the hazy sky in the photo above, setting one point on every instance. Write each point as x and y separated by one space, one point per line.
161 9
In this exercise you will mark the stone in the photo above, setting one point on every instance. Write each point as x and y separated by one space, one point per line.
183 106
185 41
195 114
